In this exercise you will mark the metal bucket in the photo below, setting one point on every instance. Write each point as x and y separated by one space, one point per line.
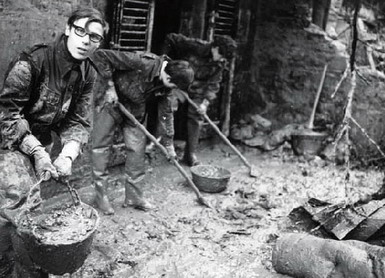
307 142
57 257
210 178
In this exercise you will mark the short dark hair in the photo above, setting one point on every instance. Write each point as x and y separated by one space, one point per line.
181 73
227 46
93 16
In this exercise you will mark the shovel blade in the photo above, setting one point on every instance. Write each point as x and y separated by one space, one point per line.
253 171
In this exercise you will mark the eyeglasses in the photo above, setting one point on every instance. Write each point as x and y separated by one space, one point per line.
81 32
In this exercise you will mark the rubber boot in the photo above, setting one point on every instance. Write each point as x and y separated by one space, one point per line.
193 132
101 200
134 197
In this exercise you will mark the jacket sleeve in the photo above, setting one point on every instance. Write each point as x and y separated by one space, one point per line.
77 123
108 61
14 96
166 120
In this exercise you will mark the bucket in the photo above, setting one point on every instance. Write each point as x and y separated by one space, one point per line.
58 241
308 142
210 178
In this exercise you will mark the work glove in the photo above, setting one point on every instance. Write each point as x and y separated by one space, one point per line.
42 162
63 162
202 108
150 146
111 96
171 151
63 165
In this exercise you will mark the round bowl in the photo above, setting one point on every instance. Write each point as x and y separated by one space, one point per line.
210 178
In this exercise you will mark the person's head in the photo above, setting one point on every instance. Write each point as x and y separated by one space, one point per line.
223 46
85 30
177 73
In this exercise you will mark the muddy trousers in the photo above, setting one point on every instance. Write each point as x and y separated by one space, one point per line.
105 124
193 127
16 177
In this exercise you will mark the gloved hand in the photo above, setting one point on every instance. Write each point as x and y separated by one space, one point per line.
42 162
171 151
43 165
63 162
63 165
203 107
150 146
111 96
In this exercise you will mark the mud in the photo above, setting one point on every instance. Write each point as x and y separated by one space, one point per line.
60 226
182 239
209 171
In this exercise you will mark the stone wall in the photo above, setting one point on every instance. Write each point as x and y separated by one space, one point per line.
286 63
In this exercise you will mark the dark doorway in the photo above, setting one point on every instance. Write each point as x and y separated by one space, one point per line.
166 20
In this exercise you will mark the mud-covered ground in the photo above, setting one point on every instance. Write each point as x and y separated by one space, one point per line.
181 238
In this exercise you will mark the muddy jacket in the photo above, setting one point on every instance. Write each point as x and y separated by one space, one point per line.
46 89
208 73
136 77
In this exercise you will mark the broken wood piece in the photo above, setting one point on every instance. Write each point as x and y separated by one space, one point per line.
341 219
369 226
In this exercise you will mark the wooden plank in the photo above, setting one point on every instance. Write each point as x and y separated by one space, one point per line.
341 219
136 2
369 226
133 32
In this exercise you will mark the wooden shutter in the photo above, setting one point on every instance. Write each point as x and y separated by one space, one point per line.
133 24
226 18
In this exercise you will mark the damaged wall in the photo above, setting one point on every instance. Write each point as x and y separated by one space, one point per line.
287 61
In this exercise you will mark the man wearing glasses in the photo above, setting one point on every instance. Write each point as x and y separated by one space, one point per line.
47 88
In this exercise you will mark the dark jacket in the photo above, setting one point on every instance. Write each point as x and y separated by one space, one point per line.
45 90
136 77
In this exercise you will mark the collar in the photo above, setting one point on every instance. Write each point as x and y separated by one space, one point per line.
64 58
154 72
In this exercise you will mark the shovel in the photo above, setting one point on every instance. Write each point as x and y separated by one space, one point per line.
253 172
201 200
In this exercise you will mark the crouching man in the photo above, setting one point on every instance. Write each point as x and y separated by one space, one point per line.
134 78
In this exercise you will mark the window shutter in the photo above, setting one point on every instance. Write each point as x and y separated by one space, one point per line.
133 25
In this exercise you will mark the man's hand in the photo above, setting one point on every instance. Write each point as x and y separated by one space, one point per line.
42 162
43 165
63 165
202 108
171 151
63 162
111 96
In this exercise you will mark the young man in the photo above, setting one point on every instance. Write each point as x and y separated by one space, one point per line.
136 77
47 88
208 60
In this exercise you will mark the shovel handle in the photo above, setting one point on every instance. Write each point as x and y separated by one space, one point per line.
217 130
160 146
311 120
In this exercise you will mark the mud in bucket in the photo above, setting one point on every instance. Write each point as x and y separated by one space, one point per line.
59 239
210 178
